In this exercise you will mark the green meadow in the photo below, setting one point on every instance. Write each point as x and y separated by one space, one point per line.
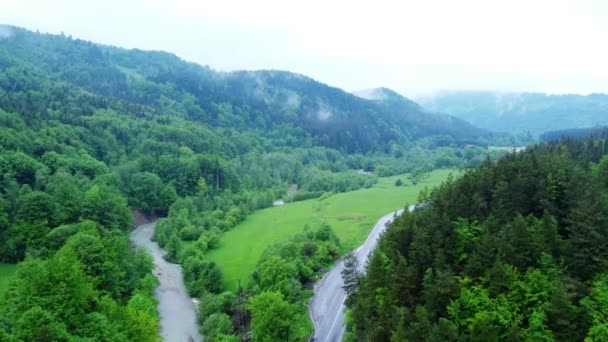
7 272
351 215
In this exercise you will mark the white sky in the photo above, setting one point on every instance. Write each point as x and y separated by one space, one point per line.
414 47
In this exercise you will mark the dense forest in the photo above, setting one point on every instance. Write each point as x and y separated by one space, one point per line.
514 250
522 112
89 133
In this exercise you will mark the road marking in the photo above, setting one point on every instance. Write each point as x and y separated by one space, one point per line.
342 330
362 252
331 303
336 319
333 299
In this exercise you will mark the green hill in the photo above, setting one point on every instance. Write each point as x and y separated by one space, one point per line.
266 102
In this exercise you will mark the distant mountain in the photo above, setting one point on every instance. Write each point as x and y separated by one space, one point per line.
522 112
307 111
431 123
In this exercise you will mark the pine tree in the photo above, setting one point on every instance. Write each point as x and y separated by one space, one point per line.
587 243
399 332
563 317
522 253
350 274
403 283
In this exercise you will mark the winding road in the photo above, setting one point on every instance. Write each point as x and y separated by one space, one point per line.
178 318
327 304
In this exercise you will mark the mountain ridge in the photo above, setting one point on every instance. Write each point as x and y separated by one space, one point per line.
243 100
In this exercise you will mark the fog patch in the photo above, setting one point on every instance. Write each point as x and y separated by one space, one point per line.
324 113
5 32
375 94
259 89
507 103
259 81
293 101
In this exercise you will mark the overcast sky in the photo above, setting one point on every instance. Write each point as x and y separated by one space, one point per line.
414 47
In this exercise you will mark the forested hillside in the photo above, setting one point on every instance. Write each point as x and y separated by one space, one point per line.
522 112
301 110
514 250
90 132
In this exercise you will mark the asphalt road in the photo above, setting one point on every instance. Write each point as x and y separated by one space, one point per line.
327 304
178 318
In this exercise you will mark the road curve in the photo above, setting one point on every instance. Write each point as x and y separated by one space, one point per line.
178 318
327 304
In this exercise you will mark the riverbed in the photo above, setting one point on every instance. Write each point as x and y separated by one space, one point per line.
178 318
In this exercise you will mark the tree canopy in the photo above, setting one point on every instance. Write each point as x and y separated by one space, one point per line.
514 250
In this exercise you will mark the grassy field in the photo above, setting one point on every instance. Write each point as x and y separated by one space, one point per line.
350 214
7 272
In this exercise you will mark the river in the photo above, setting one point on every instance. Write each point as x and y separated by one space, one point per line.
178 318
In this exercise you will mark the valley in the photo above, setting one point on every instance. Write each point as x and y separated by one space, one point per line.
284 205
91 132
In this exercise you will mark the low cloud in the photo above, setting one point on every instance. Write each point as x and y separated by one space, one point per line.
324 113
371 94
5 32
293 101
